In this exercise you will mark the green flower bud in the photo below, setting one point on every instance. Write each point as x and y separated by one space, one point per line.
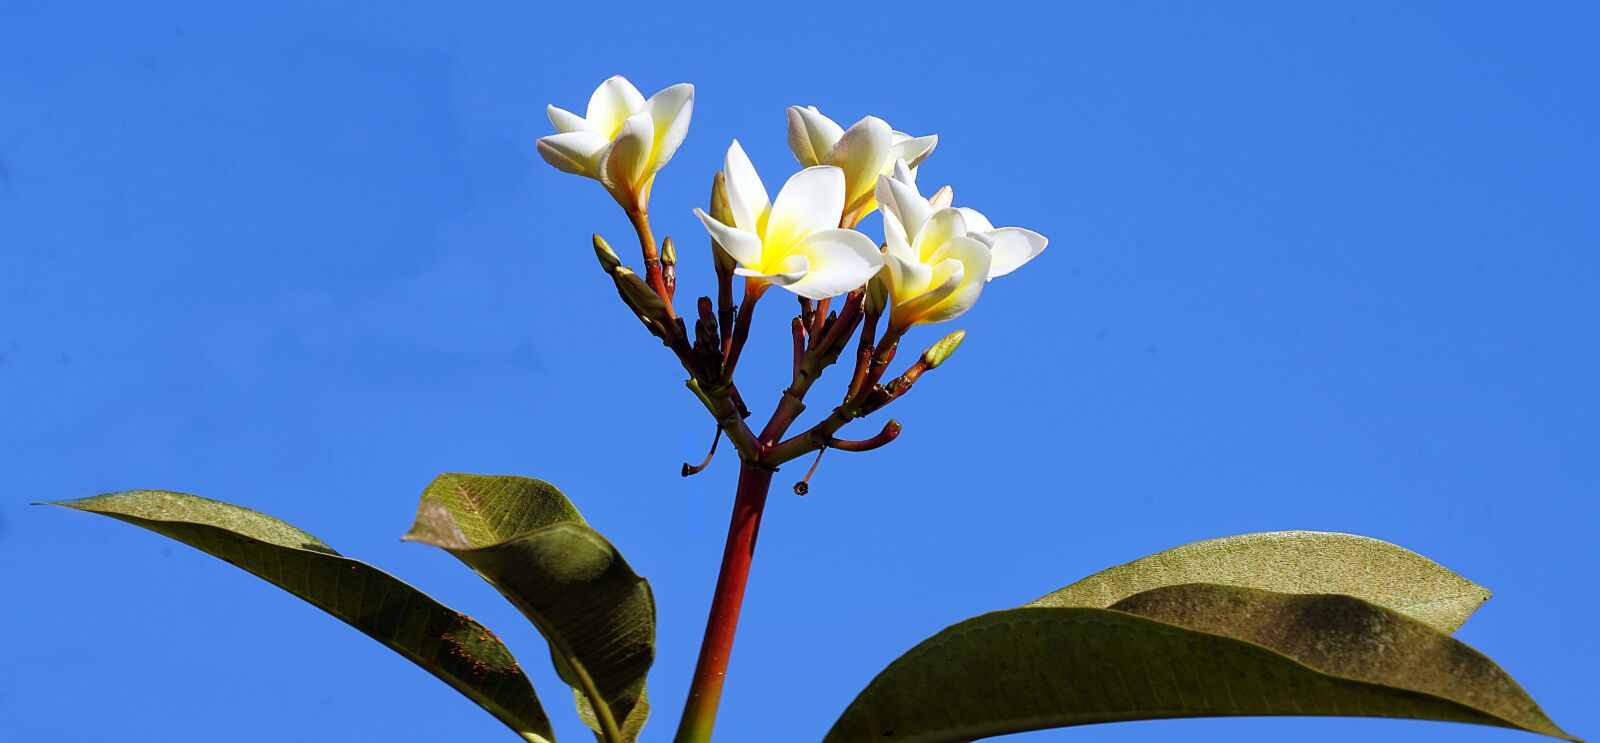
638 292
877 296
608 257
940 351
721 211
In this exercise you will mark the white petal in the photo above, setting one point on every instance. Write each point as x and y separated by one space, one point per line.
909 311
838 261
812 200
913 149
566 121
974 260
942 197
942 226
612 103
907 278
811 135
1013 246
670 111
747 197
976 222
573 152
896 241
788 271
901 199
744 246
863 151
622 165
904 173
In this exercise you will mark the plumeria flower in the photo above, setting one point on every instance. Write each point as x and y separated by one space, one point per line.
938 257
867 150
794 241
622 139
1009 247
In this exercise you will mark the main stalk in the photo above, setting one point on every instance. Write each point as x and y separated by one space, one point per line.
705 691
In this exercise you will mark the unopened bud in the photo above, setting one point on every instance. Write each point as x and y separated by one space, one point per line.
722 211
877 296
942 198
669 267
639 293
608 257
940 351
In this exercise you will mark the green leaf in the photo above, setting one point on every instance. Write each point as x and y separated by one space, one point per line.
525 538
445 643
1293 562
1197 650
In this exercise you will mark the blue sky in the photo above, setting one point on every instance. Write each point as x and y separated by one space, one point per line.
1323 267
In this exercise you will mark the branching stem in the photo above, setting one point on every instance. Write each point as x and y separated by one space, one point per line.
818 341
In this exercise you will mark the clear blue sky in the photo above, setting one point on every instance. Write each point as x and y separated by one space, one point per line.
1328 267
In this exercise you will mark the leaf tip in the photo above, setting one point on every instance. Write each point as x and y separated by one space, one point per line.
435 526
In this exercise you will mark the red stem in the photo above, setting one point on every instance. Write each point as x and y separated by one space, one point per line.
705 691
652 257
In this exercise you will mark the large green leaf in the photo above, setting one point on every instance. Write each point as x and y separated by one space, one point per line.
525 538
1293 562
445 643
1183 651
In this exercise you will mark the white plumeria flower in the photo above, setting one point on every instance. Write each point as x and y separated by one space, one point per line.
867 150
938 257
934 271
1009 247
795 241
622 139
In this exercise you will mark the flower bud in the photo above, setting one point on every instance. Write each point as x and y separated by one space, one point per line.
669 254
877 296
669 267
608 257
722 211
638 292
938 352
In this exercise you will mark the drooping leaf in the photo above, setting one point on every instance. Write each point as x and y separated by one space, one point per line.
525 538
1293 562
445 643
1202 651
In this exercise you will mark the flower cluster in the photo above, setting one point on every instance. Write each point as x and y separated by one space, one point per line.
933 262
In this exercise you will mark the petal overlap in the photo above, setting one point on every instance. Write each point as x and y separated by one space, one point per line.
866 151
